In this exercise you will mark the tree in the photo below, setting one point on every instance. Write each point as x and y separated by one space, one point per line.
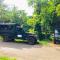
43 12
2 10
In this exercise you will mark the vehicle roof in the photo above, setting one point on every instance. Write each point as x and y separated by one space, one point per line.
7 23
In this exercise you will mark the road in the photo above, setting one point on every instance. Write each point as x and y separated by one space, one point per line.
29 52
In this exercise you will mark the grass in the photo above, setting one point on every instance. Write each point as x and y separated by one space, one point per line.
1 38
43 42
20 40
7 58
40 42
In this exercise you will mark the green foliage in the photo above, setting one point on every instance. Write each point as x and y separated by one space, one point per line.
31 22
44 12
58 10
31 30
7 58
14 15
43 42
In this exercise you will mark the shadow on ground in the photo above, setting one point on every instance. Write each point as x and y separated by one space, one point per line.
18 45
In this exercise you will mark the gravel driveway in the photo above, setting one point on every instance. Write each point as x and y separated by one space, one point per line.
29 52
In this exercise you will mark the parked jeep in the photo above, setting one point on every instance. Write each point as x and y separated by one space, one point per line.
11 31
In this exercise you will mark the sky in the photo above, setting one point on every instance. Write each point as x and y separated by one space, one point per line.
21 5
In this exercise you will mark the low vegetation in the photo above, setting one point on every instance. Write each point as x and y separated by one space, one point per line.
7 58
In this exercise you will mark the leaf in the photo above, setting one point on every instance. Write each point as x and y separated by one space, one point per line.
58 10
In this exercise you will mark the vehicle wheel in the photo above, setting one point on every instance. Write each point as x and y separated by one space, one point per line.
32 40
7 39
12 40
55 42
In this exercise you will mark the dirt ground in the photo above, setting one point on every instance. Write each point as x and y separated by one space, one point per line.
29 52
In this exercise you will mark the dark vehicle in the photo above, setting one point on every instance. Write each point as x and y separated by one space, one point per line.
10 31
57 36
